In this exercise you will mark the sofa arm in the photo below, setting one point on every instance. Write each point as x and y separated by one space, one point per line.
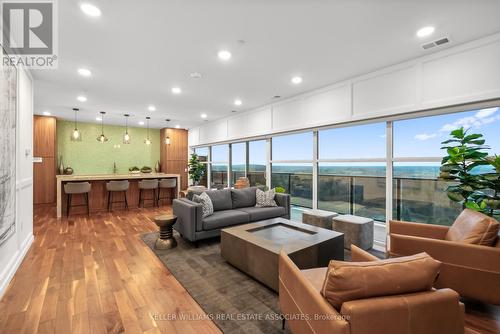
417 229
430 312
456 253
283 200
189 217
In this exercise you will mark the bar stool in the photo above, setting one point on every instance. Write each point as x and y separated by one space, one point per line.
75 188
148 185
167 184
117 186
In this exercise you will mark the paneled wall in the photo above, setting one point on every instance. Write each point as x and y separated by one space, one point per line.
174 157
462 74
44 167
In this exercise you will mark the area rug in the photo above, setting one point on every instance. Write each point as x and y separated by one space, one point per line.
235 302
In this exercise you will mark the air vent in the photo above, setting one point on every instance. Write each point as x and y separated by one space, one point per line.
437 42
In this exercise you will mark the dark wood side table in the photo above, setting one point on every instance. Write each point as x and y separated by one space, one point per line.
166 238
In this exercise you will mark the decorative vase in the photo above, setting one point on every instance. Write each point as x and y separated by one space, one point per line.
68 170
157 167
61 165
241 183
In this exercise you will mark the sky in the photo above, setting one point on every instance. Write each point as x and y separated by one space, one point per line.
420 137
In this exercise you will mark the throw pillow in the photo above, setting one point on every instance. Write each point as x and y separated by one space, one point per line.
346 281
265 198
472 227
207 207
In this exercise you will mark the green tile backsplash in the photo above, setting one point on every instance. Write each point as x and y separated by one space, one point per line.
91 157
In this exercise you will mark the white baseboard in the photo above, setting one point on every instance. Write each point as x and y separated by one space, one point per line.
14 264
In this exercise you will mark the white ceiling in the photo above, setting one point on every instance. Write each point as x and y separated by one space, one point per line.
138 50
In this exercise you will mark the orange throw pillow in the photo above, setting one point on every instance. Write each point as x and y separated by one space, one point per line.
346 281
472 227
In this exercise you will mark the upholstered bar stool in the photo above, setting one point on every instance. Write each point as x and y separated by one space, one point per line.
146 185
76 188
167 185
114 187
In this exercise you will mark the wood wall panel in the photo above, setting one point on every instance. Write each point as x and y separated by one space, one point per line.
44 136
44 173
174 157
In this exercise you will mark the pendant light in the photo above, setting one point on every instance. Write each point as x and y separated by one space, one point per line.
76 135
147 141
102 138
167 138
126 136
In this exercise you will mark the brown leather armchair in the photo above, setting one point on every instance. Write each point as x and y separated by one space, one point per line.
306 311
471 270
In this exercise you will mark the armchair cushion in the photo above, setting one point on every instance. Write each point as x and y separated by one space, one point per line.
472 227
346 281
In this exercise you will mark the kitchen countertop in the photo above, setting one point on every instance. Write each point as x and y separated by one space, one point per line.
95 177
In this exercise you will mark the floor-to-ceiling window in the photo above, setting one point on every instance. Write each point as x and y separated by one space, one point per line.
219 166
352 170
203 156
257 161
418 193
292 157
238 161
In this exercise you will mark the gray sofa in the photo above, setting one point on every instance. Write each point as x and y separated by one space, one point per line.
231 207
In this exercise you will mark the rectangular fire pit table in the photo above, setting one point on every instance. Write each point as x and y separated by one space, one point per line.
254 248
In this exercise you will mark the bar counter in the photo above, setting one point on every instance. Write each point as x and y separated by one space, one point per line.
98 195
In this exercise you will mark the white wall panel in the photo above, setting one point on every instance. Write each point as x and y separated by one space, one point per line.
456 78
193 136
328 106
385 93
213 132
259 122
289 115
237 126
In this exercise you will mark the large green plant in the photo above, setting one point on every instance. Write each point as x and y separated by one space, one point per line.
196 169
465 152
492 182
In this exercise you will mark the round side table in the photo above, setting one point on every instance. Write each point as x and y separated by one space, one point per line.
166 238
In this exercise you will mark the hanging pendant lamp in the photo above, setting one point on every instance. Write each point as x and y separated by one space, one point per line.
76 135
167 138
102 138
126 136
148 141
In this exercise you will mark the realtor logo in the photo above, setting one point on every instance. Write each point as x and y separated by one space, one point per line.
29 33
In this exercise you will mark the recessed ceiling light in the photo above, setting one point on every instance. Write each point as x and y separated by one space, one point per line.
98 119
141 123
204 115
46 113
425 31
296 80
84 72
238 102
177 126
81 98
90 10
176 90
224 55
195 75
151 108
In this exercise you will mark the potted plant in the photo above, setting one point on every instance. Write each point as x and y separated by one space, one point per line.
474 186
196 169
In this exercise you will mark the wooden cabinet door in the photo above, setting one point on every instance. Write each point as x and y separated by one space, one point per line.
44 136
44 177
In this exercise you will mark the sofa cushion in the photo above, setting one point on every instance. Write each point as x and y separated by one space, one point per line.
315 276
206 204
347 281
264 213
221 219
265 198
221 199
243 198
472 227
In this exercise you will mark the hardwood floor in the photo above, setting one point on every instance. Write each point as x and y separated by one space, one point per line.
94 275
